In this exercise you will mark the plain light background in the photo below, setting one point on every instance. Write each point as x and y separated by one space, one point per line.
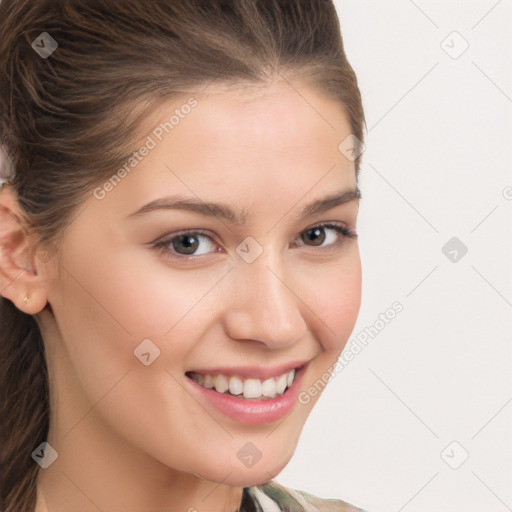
421 419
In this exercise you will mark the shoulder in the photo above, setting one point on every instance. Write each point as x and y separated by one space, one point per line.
275 497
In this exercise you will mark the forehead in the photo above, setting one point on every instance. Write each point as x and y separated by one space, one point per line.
251 122
275 115
255 148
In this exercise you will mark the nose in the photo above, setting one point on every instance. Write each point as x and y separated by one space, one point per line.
263 304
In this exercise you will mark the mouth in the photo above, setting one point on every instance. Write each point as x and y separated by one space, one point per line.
256 395
246 388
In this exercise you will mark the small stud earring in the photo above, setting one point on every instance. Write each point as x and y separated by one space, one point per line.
26 299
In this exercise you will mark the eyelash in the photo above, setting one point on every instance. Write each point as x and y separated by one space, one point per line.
163 244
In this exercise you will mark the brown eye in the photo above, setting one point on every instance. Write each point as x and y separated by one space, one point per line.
327 235
185 244
316 235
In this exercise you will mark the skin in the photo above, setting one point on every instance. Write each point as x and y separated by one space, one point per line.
129 437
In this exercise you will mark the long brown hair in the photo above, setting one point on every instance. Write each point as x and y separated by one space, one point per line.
69 119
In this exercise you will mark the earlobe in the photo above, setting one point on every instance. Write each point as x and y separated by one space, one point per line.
18 277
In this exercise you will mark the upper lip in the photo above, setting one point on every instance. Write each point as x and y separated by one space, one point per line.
258 372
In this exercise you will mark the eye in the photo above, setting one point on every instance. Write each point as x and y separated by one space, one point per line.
317 235
185 244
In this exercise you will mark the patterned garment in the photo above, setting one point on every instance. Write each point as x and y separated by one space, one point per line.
274 497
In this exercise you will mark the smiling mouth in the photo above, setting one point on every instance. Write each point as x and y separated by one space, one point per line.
243 387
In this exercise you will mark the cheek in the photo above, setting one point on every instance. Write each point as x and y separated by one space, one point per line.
140 295
337 303
105 315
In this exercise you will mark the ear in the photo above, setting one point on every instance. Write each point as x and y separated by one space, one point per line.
19 277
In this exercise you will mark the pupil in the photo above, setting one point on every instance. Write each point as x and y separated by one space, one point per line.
190 247
317 233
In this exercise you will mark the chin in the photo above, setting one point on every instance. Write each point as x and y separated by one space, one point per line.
235 473
252 476
275 458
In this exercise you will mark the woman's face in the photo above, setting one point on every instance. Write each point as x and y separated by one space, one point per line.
251 299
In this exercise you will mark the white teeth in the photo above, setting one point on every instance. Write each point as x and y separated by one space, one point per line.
290 377
281 384
221 383
268 388
208 381
236 386
246 388
252 388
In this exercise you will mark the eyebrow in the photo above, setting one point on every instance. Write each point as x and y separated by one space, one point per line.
224 211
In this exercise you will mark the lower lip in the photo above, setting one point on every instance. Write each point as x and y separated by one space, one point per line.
252 412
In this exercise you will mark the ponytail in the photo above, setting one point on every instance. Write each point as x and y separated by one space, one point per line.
23 406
